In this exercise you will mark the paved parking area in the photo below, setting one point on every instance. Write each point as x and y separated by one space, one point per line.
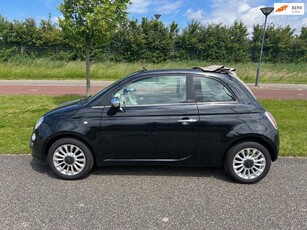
151 198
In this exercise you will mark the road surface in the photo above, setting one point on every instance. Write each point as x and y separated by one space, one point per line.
151 198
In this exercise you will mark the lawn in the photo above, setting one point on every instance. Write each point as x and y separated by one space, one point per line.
291 117
19 114
40 69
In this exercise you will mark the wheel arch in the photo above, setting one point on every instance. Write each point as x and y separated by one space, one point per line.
259 140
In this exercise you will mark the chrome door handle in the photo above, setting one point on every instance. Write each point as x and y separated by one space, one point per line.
187 121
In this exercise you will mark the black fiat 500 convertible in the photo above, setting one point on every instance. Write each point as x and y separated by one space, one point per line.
177 117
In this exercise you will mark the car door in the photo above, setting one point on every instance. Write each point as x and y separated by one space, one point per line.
156 121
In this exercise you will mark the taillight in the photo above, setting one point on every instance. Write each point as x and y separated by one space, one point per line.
271 118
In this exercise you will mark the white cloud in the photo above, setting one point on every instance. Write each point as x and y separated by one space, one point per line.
139 6
197 15
227 11
162 7
168 7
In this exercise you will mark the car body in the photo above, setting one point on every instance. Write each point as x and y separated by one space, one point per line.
183 117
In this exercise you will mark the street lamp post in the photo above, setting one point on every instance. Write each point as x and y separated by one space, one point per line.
266 11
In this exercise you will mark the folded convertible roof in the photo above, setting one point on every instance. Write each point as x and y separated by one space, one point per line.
216 69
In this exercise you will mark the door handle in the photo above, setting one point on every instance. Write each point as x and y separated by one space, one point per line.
187 121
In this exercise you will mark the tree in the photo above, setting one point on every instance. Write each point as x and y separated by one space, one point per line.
49 33
149 40
3 27
21 32
128 42
87 23
239 44
188 41
300 48
215 42
280 44
157 40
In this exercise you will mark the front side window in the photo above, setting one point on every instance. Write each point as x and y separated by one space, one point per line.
154 90
210 90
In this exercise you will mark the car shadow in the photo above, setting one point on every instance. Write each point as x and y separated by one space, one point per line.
217 173
42 168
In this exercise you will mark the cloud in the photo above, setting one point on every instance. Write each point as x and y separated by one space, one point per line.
165 7
228 11
168 7
198 15
139 6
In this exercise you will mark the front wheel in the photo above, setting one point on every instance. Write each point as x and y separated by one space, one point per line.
247 162
70 159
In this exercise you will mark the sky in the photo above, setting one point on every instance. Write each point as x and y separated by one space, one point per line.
180 11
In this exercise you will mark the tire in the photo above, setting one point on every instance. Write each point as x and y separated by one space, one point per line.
247 162
70 159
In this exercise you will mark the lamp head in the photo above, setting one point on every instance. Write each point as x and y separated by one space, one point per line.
157 16
266 10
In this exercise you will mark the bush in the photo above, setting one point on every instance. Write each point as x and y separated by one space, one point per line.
6 53
62 56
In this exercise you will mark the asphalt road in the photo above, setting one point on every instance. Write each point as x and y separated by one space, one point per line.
151 198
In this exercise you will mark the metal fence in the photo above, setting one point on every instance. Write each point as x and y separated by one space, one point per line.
37 50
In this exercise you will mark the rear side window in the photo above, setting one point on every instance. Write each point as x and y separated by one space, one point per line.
210 90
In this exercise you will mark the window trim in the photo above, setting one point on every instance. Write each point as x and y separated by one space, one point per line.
153 105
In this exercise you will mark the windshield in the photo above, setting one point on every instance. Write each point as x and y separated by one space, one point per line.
84 100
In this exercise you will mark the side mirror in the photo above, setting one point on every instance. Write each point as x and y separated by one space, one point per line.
115 107
115 102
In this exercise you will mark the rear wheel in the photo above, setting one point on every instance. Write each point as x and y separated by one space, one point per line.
70 159
248 162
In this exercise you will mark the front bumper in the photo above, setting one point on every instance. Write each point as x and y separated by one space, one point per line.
36 146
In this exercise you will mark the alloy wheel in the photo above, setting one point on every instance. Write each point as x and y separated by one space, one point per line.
69 159
249 163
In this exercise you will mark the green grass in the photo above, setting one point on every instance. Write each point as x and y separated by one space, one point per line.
43 68
19 114
291 117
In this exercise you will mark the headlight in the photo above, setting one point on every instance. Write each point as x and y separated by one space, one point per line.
39 122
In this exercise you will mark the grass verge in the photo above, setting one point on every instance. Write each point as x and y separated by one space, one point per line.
291 117
18 117
19 114
42 68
